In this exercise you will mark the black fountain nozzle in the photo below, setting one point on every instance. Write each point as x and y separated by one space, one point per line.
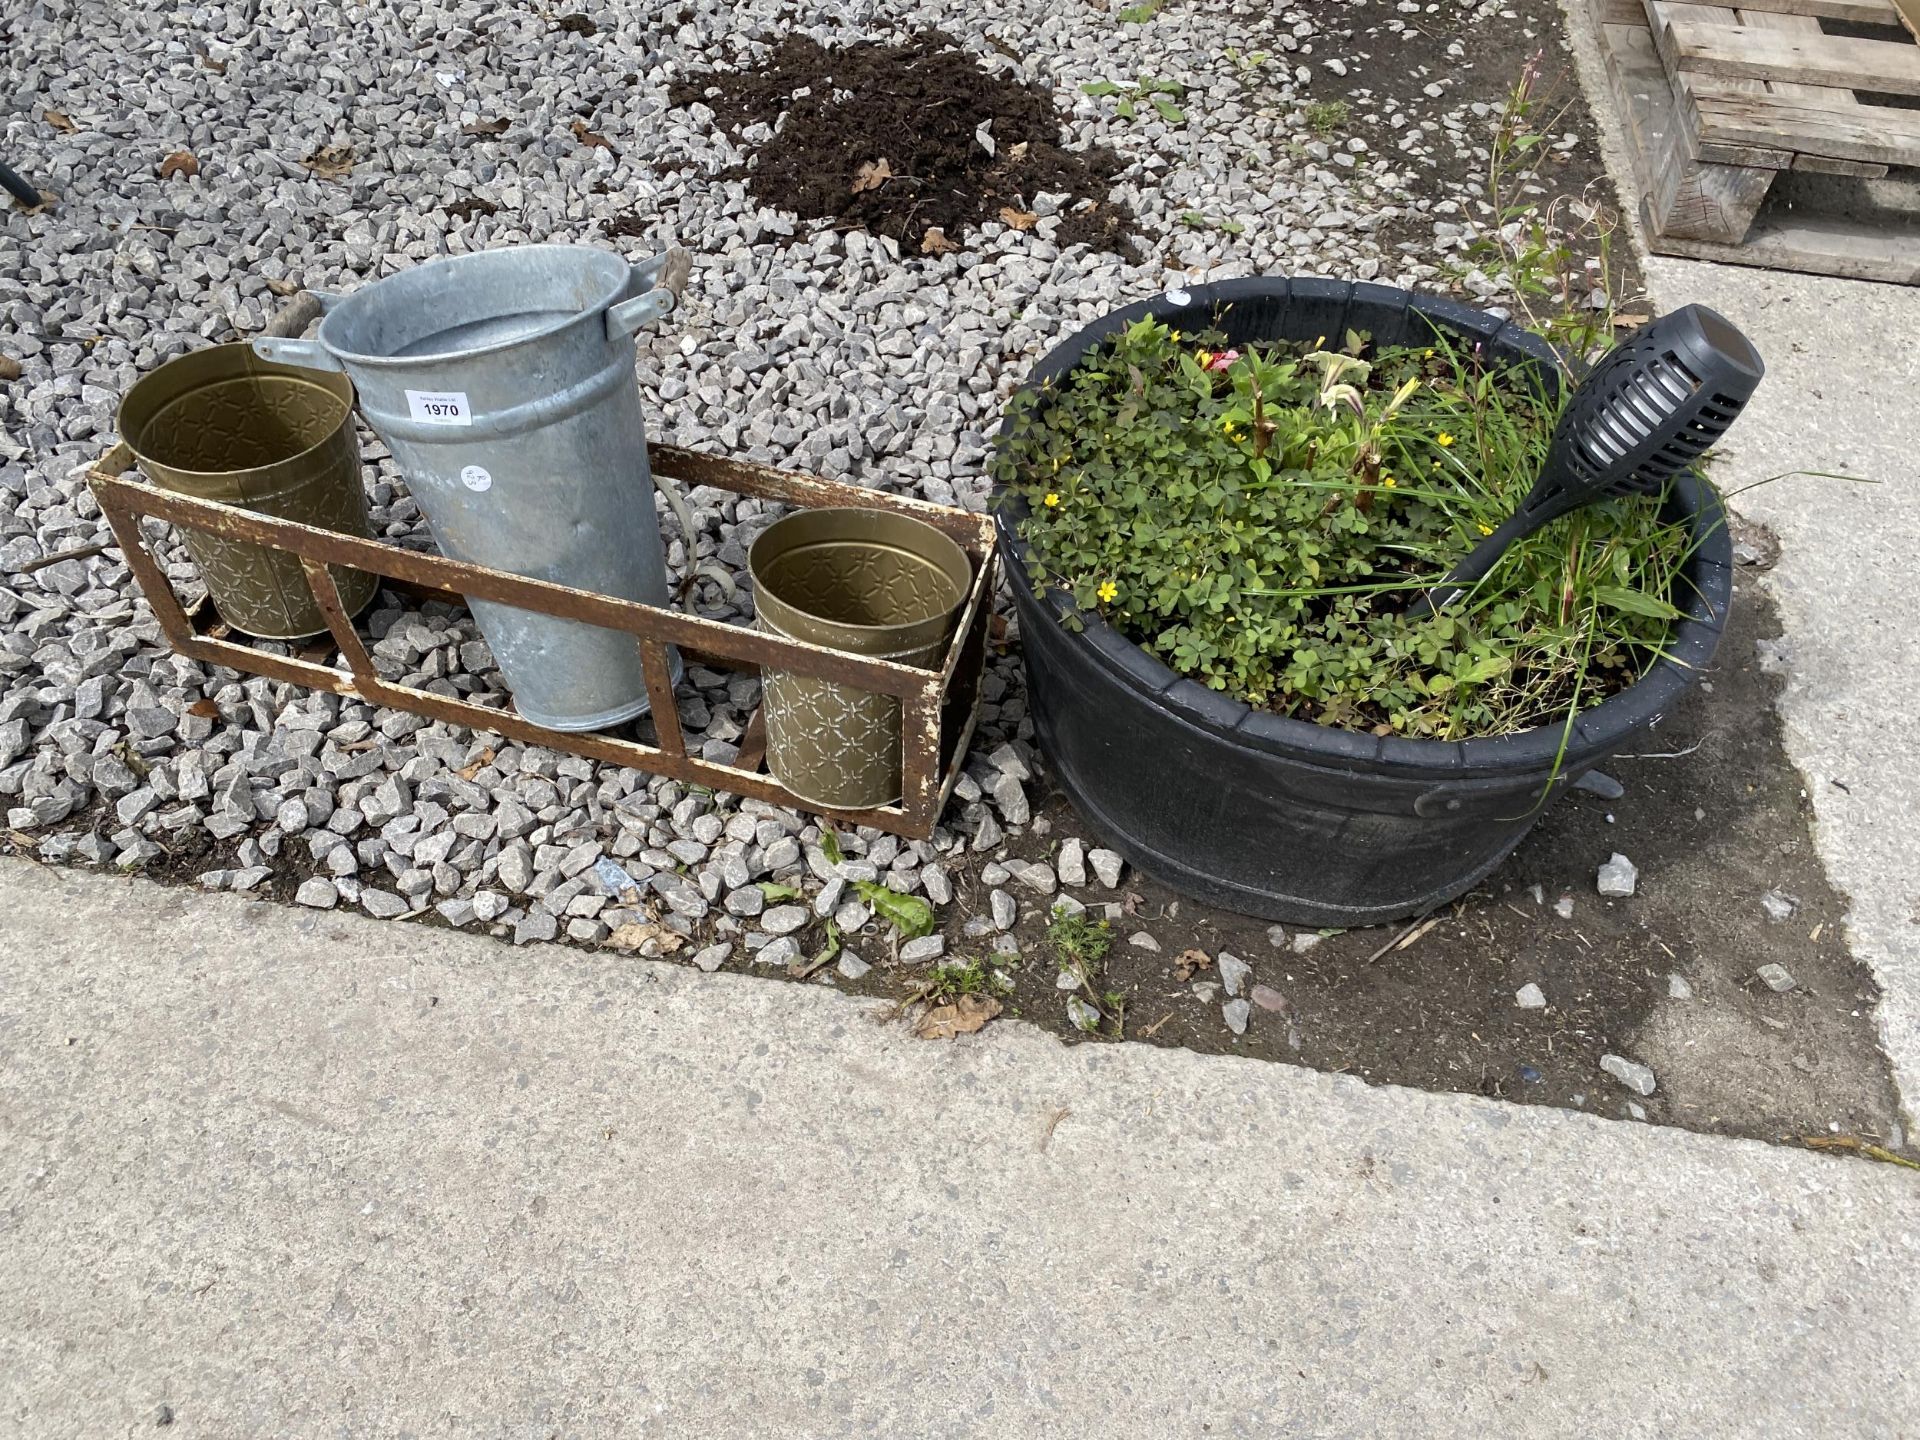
1651 408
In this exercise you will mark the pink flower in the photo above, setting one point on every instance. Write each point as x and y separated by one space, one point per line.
1224 359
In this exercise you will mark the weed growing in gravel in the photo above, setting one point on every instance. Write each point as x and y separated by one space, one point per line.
1079 944
1326 118
1160 94
1556 261
1260 521
1194 220
968 977
1078 940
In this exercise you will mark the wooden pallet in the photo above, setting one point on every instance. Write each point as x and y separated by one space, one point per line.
1722 101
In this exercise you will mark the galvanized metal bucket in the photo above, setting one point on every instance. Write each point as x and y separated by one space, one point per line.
884 586
503 383
223 424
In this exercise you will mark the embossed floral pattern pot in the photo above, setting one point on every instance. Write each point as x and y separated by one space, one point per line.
223 424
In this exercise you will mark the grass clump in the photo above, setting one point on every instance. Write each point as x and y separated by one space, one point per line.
966 977
1080 943
1326 118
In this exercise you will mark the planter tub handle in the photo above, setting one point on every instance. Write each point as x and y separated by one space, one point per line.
282 351
662 277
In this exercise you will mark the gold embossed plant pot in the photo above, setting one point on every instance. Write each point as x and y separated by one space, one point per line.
882 586
223 424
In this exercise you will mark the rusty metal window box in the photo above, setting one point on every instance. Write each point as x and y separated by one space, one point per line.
940 706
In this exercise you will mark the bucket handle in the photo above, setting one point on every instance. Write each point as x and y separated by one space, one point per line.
276 342
662 278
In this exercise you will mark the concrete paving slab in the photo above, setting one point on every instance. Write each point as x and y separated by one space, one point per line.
291 1173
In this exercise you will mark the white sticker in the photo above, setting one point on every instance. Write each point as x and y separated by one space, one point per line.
439 407
476 478
1174 297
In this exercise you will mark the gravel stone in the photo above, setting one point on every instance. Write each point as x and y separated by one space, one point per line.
1107 866
539 923
784 919
1071 863
1234 972
1035 876
851 966
1617 877
783 951
1779 906
1011 799
1678 988
1776 978
320 894
1637 1078
1004 910
1530 997
712 957
922 949
1141 940
382 904
1237 1013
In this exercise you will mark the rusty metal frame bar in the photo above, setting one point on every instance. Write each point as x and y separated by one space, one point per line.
926 696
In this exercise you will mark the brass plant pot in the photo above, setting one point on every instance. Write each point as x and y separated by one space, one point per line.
223 424
882 586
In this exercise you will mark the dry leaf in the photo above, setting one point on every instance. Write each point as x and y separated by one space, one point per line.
592 141
9 368
219 67
205 709
467 772
650 940
487 129
59 121
330 162
871 175
935 242
284 287
1017 219
964 1016
1187 962
1017 152
180 162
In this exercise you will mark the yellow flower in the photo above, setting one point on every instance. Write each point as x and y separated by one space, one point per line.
1428 353
1444 439
1486 529
1205 357
1053 500
1107 591
1389 482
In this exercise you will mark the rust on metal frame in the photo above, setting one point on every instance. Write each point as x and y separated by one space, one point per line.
939 707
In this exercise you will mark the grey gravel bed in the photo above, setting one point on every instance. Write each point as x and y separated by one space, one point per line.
820 351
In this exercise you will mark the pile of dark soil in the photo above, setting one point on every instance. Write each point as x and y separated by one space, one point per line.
887 138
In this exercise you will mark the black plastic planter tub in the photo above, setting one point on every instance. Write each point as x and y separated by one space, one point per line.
1286 819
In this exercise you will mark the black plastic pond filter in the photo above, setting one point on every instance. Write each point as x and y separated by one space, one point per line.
1649 410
